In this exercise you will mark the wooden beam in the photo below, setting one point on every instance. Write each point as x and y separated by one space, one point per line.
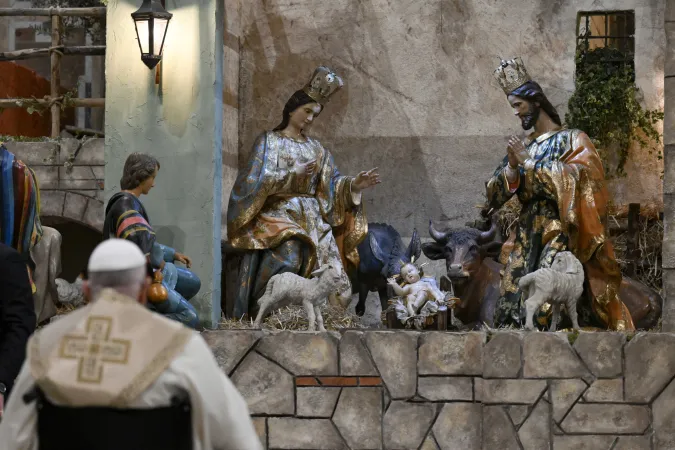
49 12
55 81
87 50
7 103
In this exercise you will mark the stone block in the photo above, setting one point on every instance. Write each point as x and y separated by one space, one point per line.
445 388
47 176
478 389
51 203
605 391
650 365
99 172
663 411
451 353
316 401
289 433
74 206
535 433
668 279
601 352
512 391
354 358
94 214
602 443
459 426
358 417
34 153
406 424
669 170
549 355
635 443
502 356
669 110
260 425
77 173
229 347
302 353
518 413
395 356
563 395
669 63
78 184
91 152
266 387
498 432
592 418
429 443
668 245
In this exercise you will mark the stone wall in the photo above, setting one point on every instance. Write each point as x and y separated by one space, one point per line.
451 391
669 173
419 92
70 174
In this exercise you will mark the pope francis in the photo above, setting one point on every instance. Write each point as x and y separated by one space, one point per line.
116 353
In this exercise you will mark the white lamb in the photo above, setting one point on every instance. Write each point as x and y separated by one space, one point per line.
288 288
562 283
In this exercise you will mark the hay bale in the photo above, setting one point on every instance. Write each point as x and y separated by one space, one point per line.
294 318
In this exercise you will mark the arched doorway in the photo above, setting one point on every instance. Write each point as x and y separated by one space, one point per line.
78 241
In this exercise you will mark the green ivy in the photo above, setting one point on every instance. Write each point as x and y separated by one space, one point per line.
605 105
93 26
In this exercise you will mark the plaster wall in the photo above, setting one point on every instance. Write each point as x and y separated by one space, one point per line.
419 99
180 122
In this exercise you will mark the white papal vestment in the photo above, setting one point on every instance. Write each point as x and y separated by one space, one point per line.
115 352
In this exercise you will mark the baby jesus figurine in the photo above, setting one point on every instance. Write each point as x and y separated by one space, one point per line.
416 292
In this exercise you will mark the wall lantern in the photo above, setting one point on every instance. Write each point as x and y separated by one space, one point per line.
151 21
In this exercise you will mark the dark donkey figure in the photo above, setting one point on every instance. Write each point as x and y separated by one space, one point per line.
381 256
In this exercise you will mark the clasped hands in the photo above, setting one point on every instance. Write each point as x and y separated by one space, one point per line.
516 152
363 180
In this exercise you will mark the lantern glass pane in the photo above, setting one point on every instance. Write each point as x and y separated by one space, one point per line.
143 32
160 29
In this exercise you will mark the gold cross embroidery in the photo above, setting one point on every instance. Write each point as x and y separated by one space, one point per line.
94 349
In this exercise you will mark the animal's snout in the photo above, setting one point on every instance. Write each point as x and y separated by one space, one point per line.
456 271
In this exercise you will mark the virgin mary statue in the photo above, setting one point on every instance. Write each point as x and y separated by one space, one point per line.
290 208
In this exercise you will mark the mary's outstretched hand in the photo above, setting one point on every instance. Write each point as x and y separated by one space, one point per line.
365 180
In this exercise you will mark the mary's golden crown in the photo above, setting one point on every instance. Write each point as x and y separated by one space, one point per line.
323 84
511 74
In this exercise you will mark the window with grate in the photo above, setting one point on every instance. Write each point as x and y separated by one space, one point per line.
601 29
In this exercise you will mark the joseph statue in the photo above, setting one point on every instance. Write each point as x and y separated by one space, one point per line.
558 177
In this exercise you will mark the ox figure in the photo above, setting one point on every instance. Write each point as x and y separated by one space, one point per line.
381 256
475 276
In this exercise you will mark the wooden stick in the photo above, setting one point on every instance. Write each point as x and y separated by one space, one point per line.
55 82
49 12
85 131
7 103
41 52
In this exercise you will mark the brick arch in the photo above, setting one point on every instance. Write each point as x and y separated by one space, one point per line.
81 208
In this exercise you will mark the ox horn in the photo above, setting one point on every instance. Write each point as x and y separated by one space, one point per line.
489 235
438 236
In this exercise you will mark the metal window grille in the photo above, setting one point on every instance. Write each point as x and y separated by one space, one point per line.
613 29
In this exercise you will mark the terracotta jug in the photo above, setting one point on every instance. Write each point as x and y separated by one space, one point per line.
157 292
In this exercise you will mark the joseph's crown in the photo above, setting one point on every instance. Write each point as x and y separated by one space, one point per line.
323 84
511 74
